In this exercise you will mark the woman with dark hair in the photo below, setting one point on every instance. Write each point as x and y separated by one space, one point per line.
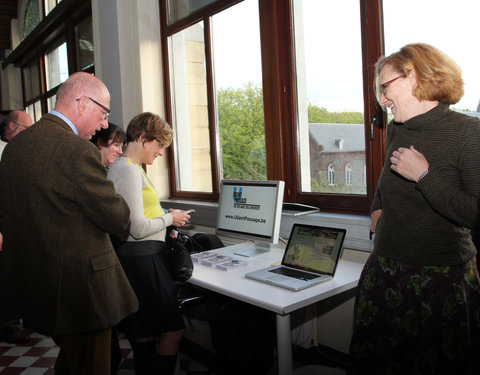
156 330
110 142
417 309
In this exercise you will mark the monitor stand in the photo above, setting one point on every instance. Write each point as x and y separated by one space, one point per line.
256 249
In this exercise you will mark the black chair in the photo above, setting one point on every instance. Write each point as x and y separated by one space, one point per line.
189 295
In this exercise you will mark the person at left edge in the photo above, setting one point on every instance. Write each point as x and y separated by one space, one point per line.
16 121
58 269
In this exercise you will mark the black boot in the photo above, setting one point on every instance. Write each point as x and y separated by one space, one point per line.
142 356
163 364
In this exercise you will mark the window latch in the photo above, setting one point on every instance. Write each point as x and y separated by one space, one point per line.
373 122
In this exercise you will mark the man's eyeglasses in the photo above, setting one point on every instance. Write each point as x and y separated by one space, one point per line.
106 111
383 86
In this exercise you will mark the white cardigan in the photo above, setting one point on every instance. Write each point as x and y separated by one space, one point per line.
129 182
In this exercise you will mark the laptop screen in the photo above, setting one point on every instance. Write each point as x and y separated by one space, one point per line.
314 248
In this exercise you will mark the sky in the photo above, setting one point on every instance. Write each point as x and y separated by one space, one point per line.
333 74
455 30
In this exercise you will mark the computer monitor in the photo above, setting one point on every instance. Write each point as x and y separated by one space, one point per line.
251 210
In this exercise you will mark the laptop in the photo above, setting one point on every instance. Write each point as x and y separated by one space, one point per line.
311 257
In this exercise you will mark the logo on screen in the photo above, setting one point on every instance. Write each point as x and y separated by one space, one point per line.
237 195
239 202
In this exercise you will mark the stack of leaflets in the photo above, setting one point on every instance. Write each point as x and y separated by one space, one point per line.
197 257
213 261
232 264
216 260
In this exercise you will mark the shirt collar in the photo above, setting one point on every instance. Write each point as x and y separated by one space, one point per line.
66 119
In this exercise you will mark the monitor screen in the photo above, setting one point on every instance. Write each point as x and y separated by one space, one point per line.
251 210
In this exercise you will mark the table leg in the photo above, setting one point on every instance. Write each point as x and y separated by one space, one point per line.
284 345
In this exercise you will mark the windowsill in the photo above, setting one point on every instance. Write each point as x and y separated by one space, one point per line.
358 226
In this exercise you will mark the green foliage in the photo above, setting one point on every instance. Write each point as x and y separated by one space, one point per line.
242 135
320 184
317 115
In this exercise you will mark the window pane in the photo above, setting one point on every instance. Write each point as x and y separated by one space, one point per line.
455 40
49 5
190 110
177 10
38 110
239 96
85 44
31 111
35 111
330 105
56 66
51 102
31 81
31 17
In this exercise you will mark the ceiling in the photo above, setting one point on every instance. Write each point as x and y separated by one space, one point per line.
8 10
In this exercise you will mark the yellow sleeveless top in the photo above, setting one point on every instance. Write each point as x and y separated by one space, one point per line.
151 202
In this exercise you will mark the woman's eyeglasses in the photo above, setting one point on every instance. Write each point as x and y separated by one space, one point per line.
383 86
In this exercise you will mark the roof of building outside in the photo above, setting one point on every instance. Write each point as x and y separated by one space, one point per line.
339 137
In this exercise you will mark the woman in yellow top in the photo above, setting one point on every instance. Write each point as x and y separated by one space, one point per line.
156 330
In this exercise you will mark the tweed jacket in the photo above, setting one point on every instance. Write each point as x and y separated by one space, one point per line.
58 269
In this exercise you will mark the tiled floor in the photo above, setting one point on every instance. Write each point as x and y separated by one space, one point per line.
39 355
36 357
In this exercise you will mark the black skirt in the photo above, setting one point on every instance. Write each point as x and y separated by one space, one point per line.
145 264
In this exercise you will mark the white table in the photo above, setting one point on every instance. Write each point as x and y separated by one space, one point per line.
281 301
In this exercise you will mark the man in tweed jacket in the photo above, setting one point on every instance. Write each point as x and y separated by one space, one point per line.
58 269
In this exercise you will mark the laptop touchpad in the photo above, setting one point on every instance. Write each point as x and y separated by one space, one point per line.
277 278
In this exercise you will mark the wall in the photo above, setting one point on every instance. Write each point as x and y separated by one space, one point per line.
128 59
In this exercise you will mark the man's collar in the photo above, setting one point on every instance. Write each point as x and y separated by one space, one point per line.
66 119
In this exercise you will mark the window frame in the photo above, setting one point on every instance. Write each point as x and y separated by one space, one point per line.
276 25
55 28
202 15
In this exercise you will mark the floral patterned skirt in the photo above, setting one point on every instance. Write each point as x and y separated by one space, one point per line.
416 319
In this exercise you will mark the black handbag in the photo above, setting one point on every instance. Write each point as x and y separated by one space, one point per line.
180 246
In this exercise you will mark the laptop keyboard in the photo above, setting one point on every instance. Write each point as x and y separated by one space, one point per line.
293 273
